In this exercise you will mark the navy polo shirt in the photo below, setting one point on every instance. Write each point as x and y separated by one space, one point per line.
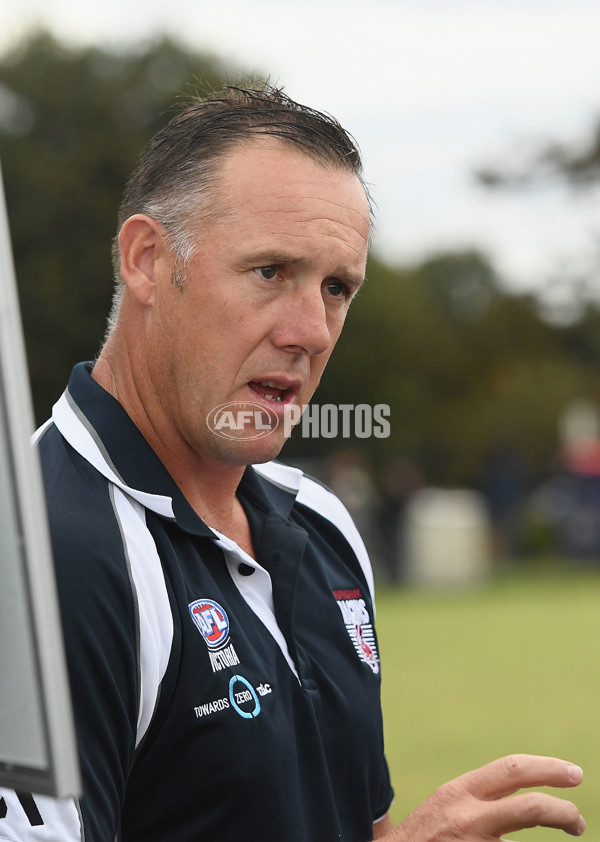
217 698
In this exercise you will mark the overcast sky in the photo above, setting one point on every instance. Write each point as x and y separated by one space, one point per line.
430 88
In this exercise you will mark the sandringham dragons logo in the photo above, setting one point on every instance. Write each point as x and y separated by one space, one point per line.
359 625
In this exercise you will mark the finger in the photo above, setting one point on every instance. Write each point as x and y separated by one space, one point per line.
509 774
530 809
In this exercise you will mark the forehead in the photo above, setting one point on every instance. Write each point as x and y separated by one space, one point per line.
268 182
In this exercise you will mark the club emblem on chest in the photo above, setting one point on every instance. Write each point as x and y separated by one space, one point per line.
359 626
212 622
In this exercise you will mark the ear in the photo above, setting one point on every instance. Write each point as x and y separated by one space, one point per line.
144 256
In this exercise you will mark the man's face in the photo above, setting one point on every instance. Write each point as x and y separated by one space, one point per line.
265 300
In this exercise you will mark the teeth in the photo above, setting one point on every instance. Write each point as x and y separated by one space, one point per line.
271 384
272 397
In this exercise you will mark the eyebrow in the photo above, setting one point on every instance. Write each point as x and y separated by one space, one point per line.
265 257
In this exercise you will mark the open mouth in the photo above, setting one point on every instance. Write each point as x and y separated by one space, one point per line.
270 390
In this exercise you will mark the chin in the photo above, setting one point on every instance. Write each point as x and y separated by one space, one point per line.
242 452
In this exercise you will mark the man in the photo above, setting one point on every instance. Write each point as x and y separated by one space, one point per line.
218 617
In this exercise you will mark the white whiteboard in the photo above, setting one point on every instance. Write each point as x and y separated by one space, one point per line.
37 743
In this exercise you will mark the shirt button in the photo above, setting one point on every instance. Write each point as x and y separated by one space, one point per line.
246 569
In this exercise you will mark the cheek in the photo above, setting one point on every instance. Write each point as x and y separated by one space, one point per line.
317 367
319 363
336 326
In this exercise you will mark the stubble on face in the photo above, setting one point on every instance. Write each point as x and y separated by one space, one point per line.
222 327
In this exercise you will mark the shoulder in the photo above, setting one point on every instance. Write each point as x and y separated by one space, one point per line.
83 519
312 495
93 576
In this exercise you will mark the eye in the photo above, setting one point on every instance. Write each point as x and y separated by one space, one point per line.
267 272
337 289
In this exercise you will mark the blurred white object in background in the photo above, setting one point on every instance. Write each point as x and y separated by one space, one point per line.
448 538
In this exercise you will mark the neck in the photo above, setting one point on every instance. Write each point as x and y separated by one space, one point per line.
208 485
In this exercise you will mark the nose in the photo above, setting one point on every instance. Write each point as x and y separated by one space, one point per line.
303 324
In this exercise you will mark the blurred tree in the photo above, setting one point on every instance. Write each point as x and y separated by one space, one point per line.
467 370
575 280
577 163
72 123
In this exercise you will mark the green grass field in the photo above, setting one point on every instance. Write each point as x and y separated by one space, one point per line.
471 676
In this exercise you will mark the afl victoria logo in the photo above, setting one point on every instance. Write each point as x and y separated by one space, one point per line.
211 621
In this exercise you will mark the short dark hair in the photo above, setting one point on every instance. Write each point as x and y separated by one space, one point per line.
178 167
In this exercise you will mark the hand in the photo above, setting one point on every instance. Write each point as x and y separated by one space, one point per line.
474 807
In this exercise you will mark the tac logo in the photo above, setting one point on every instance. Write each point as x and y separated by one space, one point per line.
242 420
211 621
